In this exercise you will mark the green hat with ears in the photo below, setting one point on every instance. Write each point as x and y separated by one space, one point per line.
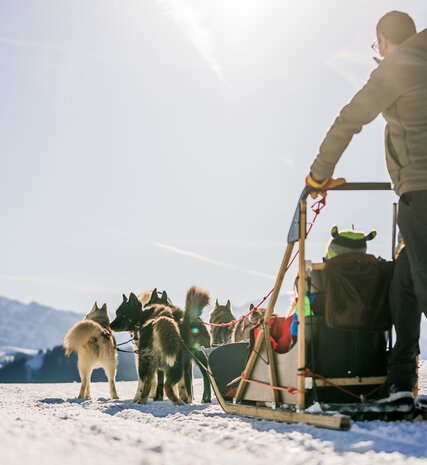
347 240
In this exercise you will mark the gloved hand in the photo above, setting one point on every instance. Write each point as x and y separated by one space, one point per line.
322 186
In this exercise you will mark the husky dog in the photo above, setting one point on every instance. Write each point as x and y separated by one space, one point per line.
91 338
242 329
221 314
164 340
129 318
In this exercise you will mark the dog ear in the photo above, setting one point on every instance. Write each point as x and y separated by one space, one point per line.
133 297
104 307
125 299
153 297
251 307
164 299
216 303
94 308
228 304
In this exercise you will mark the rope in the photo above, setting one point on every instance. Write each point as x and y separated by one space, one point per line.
290 390
133 339
316 208
127 351
193 355
126 342
308 373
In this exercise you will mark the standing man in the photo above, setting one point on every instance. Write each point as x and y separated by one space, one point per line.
397 88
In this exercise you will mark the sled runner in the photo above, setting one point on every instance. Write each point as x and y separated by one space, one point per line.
337 367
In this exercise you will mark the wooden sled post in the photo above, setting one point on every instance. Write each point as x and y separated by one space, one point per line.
301 303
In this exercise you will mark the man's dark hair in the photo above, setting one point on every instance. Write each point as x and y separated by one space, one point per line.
396 26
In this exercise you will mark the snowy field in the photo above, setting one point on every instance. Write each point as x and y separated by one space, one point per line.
43 424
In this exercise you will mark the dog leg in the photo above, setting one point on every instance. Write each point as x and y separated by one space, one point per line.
188 379
146 389
153 389
175 375
110 371
160 385
146 372
183 393
139 390
200 361
85 374
87 393
169 390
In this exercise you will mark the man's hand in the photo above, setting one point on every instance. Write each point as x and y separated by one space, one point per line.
322 186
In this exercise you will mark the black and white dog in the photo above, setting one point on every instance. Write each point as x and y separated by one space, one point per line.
167 338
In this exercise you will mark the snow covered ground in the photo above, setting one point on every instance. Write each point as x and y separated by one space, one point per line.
43 424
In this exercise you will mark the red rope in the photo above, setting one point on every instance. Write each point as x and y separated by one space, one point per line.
308 373
316 208
291 390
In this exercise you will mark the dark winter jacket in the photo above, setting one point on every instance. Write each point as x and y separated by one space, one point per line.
398 90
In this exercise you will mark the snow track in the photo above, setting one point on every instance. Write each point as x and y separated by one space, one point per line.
43 424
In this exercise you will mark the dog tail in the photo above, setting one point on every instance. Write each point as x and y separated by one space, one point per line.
80 334
197 299
166 336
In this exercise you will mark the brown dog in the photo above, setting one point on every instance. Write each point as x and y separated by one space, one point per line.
221 314
91 338
242 329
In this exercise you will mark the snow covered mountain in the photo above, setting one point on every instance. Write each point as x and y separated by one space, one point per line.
31 345
33 326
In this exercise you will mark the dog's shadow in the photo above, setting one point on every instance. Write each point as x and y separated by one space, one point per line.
59 400
161 409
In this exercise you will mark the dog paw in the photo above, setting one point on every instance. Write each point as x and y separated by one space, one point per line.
178 402
206 400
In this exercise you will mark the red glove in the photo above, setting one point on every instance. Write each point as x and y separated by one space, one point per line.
322 186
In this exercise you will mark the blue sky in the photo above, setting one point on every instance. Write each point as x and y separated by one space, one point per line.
164 143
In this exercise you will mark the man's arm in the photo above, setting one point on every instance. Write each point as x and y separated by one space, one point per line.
375 96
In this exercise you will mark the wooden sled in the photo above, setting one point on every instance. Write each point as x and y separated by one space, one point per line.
275 386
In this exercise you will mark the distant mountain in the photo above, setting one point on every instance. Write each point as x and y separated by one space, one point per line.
31 345
33 326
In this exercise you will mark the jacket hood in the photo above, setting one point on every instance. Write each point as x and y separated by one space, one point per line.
416 44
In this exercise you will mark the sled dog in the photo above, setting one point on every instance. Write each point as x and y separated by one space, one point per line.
165 341
221 314
242 330
95 346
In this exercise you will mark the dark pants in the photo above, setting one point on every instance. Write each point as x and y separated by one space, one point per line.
408 290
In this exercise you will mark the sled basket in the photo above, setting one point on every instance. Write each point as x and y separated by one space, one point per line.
356 292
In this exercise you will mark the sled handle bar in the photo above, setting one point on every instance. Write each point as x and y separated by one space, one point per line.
294 230
352 186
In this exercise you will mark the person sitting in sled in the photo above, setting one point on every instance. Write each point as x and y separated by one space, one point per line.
344 241
397 88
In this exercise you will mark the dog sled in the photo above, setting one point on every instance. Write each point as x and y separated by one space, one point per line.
337 367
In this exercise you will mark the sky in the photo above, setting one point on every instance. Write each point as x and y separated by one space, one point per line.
165 143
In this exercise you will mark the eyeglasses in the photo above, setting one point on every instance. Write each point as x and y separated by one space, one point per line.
375 47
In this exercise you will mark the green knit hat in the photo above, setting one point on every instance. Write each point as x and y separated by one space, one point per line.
346 241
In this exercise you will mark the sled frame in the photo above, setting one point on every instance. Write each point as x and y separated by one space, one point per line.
297 233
